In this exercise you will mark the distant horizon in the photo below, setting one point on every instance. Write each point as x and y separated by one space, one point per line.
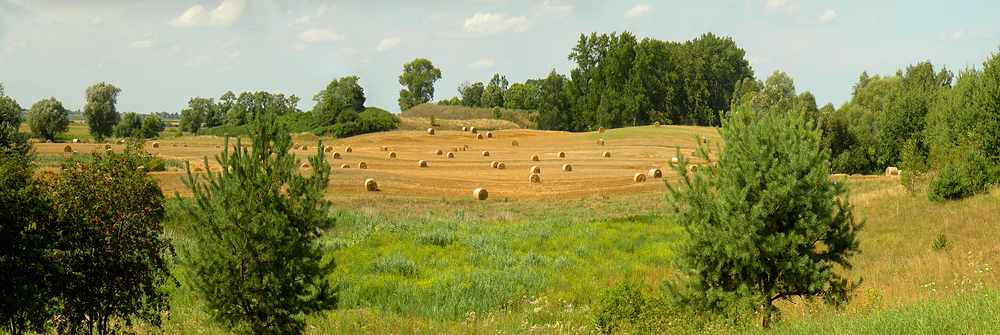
163 53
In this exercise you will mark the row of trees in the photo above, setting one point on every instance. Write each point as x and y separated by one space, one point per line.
497 94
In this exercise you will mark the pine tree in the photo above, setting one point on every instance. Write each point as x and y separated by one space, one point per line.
255 261
766 223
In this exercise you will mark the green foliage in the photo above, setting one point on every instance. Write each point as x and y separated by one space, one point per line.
496 113
472 94
299 122
130 122
48 117
112 251
199 110
433 121
339 102
521 96
493 94
952 183
418 76
941 243
152 125
100 109
11 139
626 303
766 223
254 259
913 165
371 120
553 106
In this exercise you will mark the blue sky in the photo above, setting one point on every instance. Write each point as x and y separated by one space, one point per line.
161 53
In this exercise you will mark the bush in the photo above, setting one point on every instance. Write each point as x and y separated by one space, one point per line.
299 122
152 125
625 304
952 182
371 120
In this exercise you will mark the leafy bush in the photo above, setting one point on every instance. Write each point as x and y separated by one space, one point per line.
371 120
952 182
626 303
224 130
299 122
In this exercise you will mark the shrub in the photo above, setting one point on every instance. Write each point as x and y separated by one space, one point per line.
626 303
152 125
952 182
496 113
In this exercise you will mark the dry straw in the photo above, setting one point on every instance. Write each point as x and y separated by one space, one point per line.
464 128
655 173
534 158
472 130
86 140
371 185
481 194
328 148
534 178
438 152
174 145
639 177
107 146
567 168
607 154
454 149
693 168
362 165
430 131
513 143
392 154
561 154
384 148
694 153
535 169
489 135
185 145
704 140
674 161
336 155
451 155
348 149
486 153
305 147
67 149
479 136
218 147
345 166
156 145
304 165
295 146
501 166
600 142
422 163
493 164
600 129
656 124
891 171
76 140
76 152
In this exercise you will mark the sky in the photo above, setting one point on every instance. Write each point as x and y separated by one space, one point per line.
162 53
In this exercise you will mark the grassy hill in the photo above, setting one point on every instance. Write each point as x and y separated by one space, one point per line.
522 118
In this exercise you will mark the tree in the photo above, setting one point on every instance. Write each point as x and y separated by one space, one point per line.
766 223
418 77
112 249
472 94
494 93
254 260
11 139
553 108
129 123
340 102
100 109
199 110
152 125
48 117
521 96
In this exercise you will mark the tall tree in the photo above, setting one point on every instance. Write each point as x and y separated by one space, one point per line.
472 94
418 77
493 95
100 109
199 110
255 261
48 117
553 107
152 125
340 102
129 122
521 96
11 138
766 223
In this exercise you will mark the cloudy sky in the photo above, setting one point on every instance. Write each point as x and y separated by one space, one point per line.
161 53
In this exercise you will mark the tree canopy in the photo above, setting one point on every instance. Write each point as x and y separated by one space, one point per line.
48 117
339 102
418 76
100 111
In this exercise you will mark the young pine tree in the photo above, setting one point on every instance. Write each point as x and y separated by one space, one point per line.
255 261
766 223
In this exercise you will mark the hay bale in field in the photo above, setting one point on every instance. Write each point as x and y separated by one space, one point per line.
370 185
345 166
465 146
421 163
305 147
656 124
472 130
363 165
304 165
464 128
384 148
118 142
76 152
328 148
295 146
174 145
600 142
489 135
109 149
392 154
693 168
567 167
486 153
107 146
218 147
462 148
76 140
655 173
493 164
534 178
430 131
479 136
639 177
501 166
481 194
67 149
534 158
674 161
336 155
513 143
438 152
535 169
600 129
348 149
561 154
185 145
451 154
694 153
704 140
198 169
454 149
156 145
86 140
607 154
891 171
48 141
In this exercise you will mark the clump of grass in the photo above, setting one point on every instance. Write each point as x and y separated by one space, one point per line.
941 243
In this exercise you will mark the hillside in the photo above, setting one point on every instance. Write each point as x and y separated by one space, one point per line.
522 118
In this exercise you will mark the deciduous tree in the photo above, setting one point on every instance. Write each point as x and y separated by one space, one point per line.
48 117
100 109
418 77
339 102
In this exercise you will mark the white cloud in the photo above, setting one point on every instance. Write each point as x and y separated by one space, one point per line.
197 61
490 24
552 8
299 21
319 35
140 44
233 55
96 21
955 36
482 64
640 11
350 51
174 50
323 8
15 47
827 16
222 16
782 6
387 44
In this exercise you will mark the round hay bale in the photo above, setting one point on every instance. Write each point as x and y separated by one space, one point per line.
76 140
174 145
438 152
655 173
464 128
218 147
384 148
561 154
534 178
304 165
639 177
48 141
513 143
489 135
370 185
305 147
86 140
156 145
421 163
465 146
486 153
185 145
535 169
363 165
117 142
567 167
295 146
348 149
534 158
674 161
501 166
430 131
891 171
704 140
198 169
107 146
600 129
392 154
479 136
76 152
336 155
345 166
481 194
693 168
328 148
472 130
140 168
494 164
607 154
600 142
451 154
67 149
694 153
656 124
454 149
